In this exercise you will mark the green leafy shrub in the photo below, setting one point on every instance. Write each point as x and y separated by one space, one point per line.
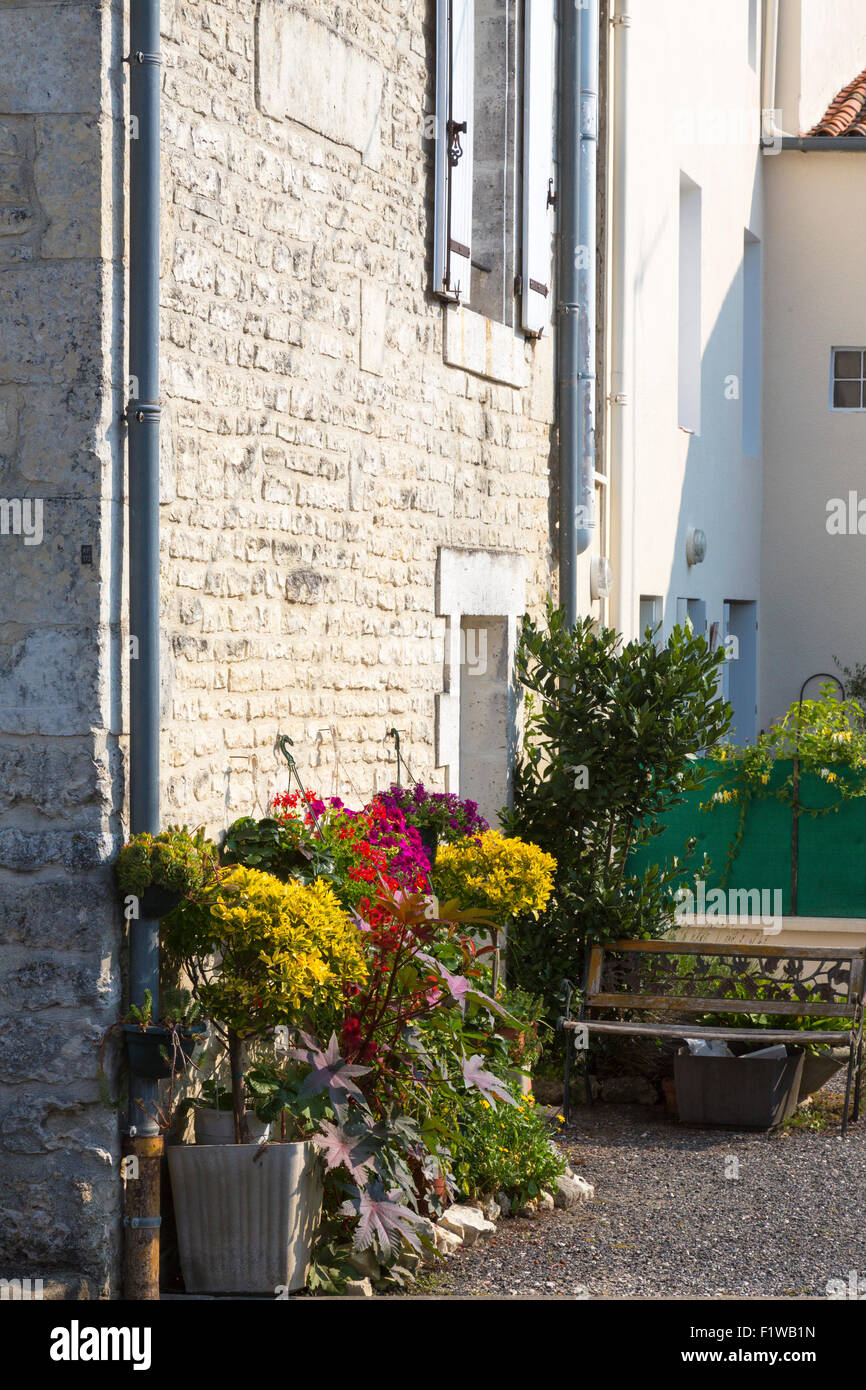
529 1010
611 732
504 1149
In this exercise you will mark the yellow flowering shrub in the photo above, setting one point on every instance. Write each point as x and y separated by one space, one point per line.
286 950
503 874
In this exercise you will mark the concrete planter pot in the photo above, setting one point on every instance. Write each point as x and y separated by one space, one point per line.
245 1227
218 1126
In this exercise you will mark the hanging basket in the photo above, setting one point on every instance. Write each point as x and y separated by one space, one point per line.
157 902
152 1051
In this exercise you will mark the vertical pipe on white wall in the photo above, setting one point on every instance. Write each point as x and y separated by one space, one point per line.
768 71
568 135
622 480
577 202
586 275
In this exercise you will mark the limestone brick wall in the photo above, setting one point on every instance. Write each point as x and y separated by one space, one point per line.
319 447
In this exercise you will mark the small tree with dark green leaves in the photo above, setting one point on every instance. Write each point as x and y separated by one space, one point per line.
610 735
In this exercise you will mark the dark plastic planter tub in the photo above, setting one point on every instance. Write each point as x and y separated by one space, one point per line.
747 1093
151 1052
818 1068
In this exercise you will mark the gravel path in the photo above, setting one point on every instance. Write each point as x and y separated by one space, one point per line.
666 1221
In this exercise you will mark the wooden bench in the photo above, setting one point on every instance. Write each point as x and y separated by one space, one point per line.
676 979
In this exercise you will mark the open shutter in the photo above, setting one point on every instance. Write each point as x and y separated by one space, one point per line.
538 165
455 59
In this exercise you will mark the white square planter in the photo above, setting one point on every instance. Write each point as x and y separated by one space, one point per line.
245 1227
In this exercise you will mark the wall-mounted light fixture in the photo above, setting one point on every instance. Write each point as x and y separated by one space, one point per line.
696 546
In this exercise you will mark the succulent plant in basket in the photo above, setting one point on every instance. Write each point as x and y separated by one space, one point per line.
160 1048
160 870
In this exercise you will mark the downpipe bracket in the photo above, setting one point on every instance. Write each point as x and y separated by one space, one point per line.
142 58
142 413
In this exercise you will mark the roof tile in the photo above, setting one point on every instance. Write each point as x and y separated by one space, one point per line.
846 114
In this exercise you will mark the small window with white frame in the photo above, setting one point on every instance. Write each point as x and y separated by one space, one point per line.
848 379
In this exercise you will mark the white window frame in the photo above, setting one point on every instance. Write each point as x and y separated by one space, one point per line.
847 409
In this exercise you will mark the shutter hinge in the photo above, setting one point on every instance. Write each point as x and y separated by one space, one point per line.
551 196
454 129
518 284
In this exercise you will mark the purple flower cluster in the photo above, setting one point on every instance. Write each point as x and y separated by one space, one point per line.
411 859
442 812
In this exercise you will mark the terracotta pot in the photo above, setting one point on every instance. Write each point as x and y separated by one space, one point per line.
517 1038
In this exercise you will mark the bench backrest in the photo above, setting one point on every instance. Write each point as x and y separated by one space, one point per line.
699 977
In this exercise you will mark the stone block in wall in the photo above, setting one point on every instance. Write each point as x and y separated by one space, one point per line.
55 781
68 913
43 566
374 303
52 330
55 1051
293 51
49 682
485 347
53 57
63 1222
74 850
67 174
55 434
32 983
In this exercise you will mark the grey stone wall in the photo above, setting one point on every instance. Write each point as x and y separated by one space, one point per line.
60 766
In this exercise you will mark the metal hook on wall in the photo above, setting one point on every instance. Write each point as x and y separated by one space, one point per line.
284 744
401 761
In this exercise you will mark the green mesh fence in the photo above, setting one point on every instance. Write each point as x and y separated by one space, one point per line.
832 848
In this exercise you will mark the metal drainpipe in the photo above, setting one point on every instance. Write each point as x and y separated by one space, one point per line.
578 140
768 71
586 291
621 478
142 1206
568 201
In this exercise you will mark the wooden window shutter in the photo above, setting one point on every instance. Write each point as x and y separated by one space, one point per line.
538 165
455 71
